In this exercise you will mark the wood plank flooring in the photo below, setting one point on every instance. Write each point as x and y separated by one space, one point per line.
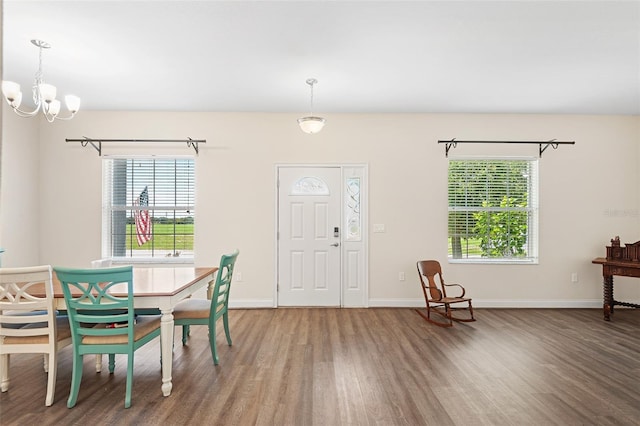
362 367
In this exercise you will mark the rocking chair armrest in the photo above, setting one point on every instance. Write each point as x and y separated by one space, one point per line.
457 285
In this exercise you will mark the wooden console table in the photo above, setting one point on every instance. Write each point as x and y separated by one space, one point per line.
611 267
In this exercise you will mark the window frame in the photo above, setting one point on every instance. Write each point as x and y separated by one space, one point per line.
108 208
533 242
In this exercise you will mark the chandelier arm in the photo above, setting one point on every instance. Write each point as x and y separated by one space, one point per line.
50 117
57 117
26 114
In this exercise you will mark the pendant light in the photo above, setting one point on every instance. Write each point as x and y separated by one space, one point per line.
311 124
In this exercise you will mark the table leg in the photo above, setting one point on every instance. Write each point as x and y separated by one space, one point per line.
608 297
166 336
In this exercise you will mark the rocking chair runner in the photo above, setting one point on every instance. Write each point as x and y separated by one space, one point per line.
435 294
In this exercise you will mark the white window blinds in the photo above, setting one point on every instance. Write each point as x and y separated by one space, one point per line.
493 209
148 208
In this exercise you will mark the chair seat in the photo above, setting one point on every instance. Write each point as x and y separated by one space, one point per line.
145 325
62 329
451 300
192 308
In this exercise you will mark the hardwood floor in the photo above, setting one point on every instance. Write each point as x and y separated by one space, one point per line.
363 367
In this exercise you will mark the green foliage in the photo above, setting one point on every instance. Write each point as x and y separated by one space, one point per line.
502 233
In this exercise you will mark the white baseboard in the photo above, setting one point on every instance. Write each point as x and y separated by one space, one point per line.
250 303
488 303
585 303
419 303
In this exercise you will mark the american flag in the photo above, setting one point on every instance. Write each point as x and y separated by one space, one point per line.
141 217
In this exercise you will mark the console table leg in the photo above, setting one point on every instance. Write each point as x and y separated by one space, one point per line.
608 297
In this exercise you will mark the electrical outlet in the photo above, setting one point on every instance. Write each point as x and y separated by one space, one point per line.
574 277
401 276
237 276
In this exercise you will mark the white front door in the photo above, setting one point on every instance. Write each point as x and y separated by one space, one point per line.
309 236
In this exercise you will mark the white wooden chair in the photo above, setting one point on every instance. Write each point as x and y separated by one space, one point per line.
28 322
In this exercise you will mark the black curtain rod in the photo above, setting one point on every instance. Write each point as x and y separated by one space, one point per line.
97 143
553 143
137 140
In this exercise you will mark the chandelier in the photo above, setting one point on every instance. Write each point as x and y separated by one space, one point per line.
311 123
44 95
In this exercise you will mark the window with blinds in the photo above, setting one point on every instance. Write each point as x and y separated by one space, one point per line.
148 209
493 210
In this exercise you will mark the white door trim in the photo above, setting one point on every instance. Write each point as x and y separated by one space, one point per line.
354 254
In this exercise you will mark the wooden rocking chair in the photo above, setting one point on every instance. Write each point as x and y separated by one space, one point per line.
435 294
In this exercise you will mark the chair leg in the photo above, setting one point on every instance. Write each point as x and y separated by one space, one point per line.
445 314
46 363
212 342
51 379
225 321
4 372
447 309
112 363
98 363
186 331
471 310
127 397
76 377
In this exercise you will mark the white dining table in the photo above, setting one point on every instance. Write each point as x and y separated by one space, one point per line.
160 288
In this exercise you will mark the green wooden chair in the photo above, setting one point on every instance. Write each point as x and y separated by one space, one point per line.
102 323
206 312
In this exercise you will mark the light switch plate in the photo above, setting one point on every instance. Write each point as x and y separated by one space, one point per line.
378 227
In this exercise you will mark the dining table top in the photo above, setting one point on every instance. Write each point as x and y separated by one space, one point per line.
155 281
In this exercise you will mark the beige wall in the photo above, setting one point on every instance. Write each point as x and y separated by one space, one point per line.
19 190
588 194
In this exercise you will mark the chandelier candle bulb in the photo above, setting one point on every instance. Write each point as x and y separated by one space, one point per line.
11 91
48 92
73 103
54 107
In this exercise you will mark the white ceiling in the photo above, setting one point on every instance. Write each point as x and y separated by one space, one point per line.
385 56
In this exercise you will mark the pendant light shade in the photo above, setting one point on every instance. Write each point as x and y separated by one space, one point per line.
311 124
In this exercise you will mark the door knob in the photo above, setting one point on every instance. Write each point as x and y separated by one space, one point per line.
335 244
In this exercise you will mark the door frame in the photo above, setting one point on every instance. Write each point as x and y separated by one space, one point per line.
354 255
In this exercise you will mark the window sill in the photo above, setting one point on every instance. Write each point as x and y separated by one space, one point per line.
174 261
495 261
